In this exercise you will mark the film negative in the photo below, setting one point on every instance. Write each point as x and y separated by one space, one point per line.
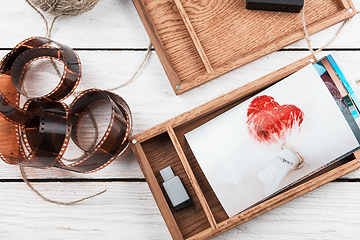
112 143
16 62
37 134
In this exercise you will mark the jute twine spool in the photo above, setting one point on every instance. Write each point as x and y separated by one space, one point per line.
63 8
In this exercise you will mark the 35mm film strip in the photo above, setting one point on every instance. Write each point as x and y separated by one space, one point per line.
38 133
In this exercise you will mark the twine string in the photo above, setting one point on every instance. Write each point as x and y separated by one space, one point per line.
26 180
48 30
308 40
23 174
307 36
148 50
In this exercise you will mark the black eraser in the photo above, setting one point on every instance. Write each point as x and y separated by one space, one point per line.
275 5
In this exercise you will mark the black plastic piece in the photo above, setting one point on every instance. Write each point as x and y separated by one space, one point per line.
275 5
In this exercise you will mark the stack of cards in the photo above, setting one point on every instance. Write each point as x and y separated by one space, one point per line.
342 88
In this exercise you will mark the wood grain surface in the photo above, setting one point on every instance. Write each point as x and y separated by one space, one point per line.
111 43
201 40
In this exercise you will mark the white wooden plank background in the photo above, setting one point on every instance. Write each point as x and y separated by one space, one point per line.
111 43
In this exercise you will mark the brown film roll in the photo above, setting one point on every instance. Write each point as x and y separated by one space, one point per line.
27 134
45 135
15 63
38 133
112 143
34 142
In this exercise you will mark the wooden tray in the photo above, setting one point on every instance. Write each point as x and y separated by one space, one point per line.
165 145
198 40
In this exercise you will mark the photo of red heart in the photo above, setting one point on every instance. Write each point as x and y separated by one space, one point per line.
268 120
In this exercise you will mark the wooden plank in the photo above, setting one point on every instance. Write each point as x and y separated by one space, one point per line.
192 177
121 28
193 36
128 211
110 24
125 211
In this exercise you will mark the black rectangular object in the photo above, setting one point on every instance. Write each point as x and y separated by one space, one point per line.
275 5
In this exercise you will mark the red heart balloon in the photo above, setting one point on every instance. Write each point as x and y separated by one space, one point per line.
268 120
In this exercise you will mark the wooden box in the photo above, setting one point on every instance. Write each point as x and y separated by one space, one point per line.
198 40
165 145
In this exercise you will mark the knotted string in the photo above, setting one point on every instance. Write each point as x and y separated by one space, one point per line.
307 36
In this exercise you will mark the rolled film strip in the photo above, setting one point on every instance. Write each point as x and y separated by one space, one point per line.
112 143
38 133
16 62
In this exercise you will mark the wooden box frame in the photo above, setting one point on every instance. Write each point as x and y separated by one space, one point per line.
199 40
165 145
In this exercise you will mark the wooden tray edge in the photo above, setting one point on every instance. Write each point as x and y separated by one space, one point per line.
180 87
